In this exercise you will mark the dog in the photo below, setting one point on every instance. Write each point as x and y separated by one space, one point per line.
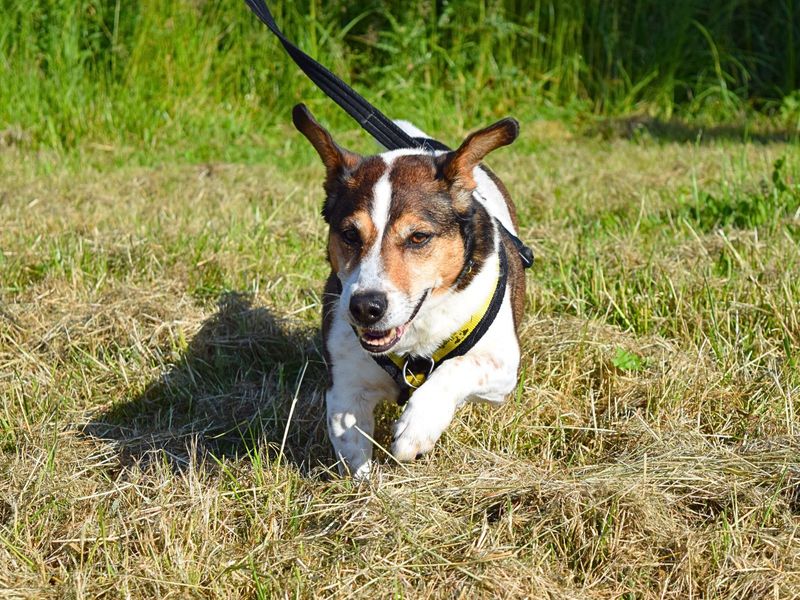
426 291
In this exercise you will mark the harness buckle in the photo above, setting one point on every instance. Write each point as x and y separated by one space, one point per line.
406 372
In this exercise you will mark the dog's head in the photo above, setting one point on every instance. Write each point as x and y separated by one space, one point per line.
404 226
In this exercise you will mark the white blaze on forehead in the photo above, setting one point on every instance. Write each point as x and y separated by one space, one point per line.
381 203
382 192
370 271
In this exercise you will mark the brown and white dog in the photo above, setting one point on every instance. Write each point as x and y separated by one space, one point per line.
416 251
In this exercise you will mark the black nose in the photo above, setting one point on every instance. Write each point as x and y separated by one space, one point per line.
368 307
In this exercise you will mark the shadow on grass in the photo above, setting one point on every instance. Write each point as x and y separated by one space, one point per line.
679 131
230 395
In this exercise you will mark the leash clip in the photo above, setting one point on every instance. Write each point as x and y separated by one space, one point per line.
406 372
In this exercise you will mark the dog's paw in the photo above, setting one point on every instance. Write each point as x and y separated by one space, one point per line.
419 428
354 465
363 472
358 470
408 447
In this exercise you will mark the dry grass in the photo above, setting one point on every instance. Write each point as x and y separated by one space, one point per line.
158 327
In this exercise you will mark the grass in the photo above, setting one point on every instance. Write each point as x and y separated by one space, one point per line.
161 264
206 81
161 425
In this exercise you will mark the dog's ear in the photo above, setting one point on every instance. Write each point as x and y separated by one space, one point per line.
335 158
457 166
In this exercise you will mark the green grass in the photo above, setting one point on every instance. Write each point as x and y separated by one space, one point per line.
206 81
159 325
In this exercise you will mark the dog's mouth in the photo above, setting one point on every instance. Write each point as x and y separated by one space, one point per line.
378 341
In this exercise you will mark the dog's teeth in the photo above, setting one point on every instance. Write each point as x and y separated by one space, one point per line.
379 340
380 337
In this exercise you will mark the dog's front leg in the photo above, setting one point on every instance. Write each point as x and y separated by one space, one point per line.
431 408
351 423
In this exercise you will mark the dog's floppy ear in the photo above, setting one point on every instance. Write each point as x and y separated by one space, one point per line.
458 165
334 157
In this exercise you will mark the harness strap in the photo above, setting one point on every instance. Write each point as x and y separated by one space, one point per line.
410 372
525 253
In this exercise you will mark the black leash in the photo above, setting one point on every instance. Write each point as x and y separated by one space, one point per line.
370 118
373 121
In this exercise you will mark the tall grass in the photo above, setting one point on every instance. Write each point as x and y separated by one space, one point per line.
149 73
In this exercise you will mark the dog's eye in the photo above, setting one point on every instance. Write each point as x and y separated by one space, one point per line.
351 237
418 238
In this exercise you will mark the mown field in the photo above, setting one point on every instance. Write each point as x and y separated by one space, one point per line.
162 380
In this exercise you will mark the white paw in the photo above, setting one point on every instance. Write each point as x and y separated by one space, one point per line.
420 426
354 459
360 472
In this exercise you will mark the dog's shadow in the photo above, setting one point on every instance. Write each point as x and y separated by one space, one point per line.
249 382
